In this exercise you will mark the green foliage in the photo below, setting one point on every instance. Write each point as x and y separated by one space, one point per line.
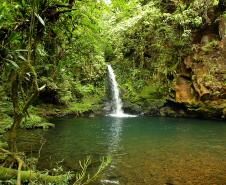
34 121
3 144
210 46
147 47
154 91
129 92
6 122
5 112
84 177
64 49
123 9
87 104
7 14
154 95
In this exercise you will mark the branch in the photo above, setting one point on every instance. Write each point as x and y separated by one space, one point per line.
64 11
20 164
8 173
36 88
19 161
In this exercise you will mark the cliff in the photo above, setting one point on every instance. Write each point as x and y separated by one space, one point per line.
200 82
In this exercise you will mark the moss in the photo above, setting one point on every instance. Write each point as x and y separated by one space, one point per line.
205 110
152 96
151 91
210 46
150 105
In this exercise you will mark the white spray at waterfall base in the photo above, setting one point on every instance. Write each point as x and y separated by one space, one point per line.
117 102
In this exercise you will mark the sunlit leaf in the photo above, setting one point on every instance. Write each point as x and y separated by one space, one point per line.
14 64
21 50
21 57
40 19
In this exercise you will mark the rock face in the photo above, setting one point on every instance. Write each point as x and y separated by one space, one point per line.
201 78
184 90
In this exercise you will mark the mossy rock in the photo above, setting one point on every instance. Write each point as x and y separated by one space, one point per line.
132 107
206 111
168 111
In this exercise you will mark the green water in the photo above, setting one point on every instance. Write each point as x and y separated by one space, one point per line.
144 150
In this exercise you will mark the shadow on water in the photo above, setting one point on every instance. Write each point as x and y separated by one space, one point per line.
144 150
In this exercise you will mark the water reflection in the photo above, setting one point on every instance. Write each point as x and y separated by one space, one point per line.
115 136
114 148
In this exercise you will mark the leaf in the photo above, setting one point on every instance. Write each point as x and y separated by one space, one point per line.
13 63
15 38
21 50
21 57
40 19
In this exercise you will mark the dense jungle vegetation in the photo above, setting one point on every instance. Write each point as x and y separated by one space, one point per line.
169 57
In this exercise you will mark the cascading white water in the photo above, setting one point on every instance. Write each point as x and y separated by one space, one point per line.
117 108
117 102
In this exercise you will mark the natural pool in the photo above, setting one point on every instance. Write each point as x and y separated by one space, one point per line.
144 150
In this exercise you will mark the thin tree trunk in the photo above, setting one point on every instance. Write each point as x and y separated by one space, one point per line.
17 114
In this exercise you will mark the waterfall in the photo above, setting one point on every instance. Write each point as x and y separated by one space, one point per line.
117 102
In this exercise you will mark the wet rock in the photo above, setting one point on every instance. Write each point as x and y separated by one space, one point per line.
153 112
168 111
131 108
91 115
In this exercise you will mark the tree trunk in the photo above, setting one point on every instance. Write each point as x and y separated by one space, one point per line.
17 112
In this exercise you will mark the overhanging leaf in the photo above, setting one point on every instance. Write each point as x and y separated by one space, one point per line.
21 50
40 19
21 57
14 64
